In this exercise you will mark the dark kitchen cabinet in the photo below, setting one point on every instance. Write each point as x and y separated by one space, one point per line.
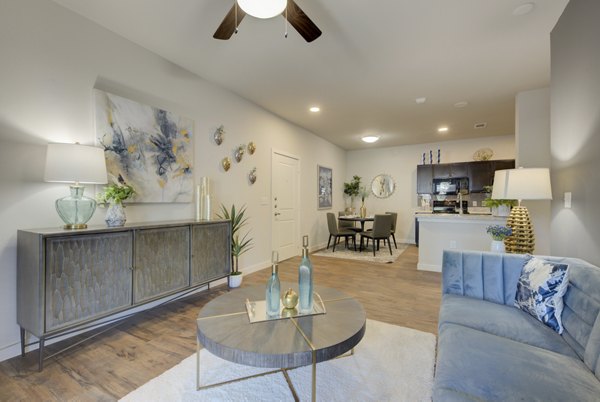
424 179
480 173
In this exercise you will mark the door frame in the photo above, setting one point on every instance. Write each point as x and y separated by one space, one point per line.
275 151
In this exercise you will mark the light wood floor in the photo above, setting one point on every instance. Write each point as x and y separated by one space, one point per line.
122 359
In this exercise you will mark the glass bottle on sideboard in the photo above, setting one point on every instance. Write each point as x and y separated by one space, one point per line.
273 291
305 280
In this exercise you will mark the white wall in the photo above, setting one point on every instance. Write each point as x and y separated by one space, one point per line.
51 61
532 139
401 162
575 130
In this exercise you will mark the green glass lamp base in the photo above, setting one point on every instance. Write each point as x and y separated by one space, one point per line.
76 210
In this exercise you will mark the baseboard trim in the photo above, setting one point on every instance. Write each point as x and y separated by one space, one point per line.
429 267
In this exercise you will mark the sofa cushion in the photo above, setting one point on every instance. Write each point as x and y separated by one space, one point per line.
501 320
540 291
489 367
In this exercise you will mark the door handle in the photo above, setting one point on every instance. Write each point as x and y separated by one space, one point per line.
277 214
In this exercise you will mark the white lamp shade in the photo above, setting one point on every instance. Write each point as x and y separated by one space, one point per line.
522 184
263 8
75 163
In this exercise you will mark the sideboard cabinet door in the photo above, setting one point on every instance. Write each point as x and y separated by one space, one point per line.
162 262
211 250
87 276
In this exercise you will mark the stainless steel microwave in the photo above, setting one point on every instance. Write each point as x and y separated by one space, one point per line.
450 186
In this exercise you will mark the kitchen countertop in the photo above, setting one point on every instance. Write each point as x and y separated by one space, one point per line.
466 218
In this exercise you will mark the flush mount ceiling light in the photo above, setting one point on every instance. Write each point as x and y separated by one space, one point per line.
461 104
263 8
524 9
442 129
370 139
421 100
315 109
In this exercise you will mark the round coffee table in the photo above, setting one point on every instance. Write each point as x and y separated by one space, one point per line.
282 344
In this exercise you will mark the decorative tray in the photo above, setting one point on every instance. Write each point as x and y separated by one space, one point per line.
257 310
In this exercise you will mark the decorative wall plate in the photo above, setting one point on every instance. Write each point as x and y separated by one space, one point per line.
252 176
226 163
483 154
219 135
239 153
251 148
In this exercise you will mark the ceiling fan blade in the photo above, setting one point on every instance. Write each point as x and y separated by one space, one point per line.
300 21
228 25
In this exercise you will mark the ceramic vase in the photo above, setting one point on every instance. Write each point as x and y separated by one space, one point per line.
115 215
501 210
497 246
235 281
363 210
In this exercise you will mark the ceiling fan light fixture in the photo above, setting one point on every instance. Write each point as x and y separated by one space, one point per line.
263 8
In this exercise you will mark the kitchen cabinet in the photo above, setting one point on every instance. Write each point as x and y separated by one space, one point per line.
71 280
424 179
479 173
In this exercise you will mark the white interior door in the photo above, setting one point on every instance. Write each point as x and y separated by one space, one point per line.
284 178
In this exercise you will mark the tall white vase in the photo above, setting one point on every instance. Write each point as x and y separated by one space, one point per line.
497 246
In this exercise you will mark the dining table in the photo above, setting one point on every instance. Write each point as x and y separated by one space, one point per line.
357 218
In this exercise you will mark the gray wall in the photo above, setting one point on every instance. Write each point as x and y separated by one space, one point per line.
532 142
575 130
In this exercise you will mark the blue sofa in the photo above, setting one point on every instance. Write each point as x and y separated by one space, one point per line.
489 350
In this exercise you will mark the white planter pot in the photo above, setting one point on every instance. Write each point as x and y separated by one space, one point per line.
497 246
502 210
235 281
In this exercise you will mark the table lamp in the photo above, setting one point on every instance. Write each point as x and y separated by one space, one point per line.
77 164
521 184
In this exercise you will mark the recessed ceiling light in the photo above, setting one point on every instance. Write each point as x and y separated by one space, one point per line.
461 104
420 101
370 138
480 125
315 109
524 9
443 129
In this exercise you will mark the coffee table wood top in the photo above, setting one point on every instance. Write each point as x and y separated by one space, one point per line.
225 330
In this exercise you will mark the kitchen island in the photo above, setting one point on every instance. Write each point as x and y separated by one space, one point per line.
438 232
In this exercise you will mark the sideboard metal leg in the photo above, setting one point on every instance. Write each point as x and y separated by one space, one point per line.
41 355
22 342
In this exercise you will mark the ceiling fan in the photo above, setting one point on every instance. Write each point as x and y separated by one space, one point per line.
288 8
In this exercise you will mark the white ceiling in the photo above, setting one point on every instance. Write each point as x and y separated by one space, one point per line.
373 59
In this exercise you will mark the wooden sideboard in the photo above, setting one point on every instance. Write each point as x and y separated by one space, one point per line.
67 280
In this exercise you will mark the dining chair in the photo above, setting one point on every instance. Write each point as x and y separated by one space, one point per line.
394 220
382 227
336 233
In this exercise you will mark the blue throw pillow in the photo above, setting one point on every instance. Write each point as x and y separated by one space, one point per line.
540 291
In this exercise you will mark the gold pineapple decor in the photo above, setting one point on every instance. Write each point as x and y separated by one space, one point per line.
522 240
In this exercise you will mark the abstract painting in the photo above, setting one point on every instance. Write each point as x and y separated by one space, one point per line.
150 148
325 187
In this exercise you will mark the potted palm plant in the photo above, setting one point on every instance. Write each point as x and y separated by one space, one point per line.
239 245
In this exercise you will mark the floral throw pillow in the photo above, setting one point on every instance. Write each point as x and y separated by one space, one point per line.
540 291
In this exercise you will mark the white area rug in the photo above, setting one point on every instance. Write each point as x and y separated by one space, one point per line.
391 363
382 256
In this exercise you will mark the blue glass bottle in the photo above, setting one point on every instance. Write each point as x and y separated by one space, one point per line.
273 291
305 280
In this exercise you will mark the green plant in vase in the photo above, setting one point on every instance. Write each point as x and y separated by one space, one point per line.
498 207
239 244
114 194
351 190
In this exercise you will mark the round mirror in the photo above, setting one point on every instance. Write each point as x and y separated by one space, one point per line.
383 186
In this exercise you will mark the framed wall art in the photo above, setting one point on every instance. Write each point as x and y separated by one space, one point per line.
150 148
325 182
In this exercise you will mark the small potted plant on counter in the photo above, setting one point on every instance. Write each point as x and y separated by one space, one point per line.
498 233
498 207
238 245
